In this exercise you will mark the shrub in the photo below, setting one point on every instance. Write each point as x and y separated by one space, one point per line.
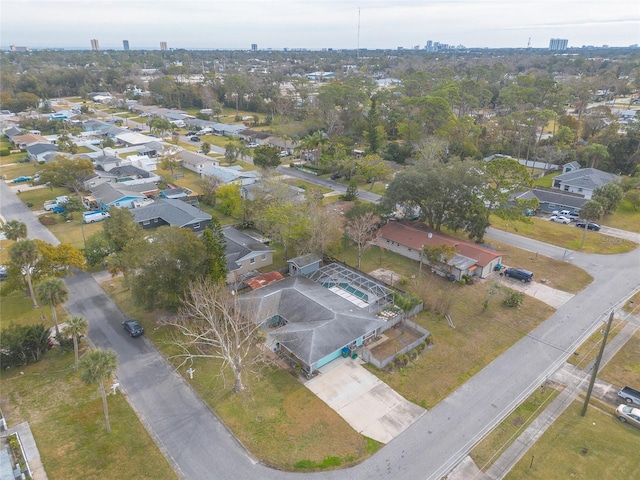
47 220
23 344
4 152
513 299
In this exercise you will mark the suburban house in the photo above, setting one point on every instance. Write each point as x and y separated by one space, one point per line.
551 199
233 174
314 320
173 213
583 181
252 136
12 132
196 162
409 239
28 139
38 151
108 195
244 254
132 138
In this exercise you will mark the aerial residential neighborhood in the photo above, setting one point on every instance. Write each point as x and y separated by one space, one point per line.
328 264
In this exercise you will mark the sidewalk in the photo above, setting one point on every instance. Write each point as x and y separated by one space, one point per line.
575 382
31 451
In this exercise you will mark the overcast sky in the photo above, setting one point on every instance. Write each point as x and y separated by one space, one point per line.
315 24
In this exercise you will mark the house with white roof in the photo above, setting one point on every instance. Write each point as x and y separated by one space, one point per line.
583 181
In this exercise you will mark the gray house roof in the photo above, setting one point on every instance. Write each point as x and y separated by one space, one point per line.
589 178
241 246
318 322
174 212
556 197
108 194
40 148
230 174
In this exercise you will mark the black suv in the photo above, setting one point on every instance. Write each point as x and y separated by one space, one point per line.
591 225
519 274
133 328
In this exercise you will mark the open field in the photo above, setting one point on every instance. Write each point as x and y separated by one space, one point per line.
567 236
68 423
624 218
590 447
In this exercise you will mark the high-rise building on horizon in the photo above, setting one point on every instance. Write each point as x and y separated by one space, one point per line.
254 47
558 44
95 45
163 46
125 45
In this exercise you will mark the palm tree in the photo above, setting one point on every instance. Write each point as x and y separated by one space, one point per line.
15 230
53 292
97 366
591 210
75 327
25 255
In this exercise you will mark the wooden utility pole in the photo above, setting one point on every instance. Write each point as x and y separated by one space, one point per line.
594 372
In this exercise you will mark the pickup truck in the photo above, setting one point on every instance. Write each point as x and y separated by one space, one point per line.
630 395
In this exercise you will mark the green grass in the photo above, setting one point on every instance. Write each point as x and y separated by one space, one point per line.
13 171
12 158
566 236
546 181
624 218
624 368
71 232
612 448
38 196
67 421
485 453
16 307
589 350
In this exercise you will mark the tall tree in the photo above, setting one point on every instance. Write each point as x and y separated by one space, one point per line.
75 327
362 230
266 157
609 196
53 292
67 172
97 366
15 230
594 154
215 324
120 228
374 134
216 245
502 177
25 255
169 159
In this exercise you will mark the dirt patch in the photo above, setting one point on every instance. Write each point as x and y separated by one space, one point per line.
397 339
387 276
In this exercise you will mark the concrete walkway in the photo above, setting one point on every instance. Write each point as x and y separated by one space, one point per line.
368 404
31 451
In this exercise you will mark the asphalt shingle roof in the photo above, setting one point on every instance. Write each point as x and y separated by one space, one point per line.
174 212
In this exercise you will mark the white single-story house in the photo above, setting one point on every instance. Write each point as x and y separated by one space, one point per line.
583 181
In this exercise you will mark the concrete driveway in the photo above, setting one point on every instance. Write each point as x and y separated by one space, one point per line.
368 404
551 296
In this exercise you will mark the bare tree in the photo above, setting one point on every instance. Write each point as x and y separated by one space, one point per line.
215 324
362 230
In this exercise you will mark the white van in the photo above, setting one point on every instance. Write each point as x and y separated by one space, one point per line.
97 216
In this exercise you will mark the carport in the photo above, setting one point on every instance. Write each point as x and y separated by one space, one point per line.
368 404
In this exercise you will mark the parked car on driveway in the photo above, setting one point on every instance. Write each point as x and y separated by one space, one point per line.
335 176
283 153
132 327
591 225
560 219
627 414
253 145
519 274
195 139
59 209
21 179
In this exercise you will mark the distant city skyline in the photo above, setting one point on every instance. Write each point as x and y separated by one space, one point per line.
318 24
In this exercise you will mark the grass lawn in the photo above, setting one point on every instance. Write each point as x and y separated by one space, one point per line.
612 448
13 171
546 181
624 218
71 232
567 236
306 185
191 180
633 304
589 350
272 420
624 367
83 149
68 424
16 307
486 452
35 199
4 251
12 158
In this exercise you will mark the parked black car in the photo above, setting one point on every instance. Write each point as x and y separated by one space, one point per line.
133 328
335 176
195 139
591 225
519 274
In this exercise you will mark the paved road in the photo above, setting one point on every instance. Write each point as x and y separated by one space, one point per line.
200 447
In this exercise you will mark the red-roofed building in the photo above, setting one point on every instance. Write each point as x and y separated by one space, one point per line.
264 280
408 239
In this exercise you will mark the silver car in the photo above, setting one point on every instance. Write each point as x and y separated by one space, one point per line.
628 414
